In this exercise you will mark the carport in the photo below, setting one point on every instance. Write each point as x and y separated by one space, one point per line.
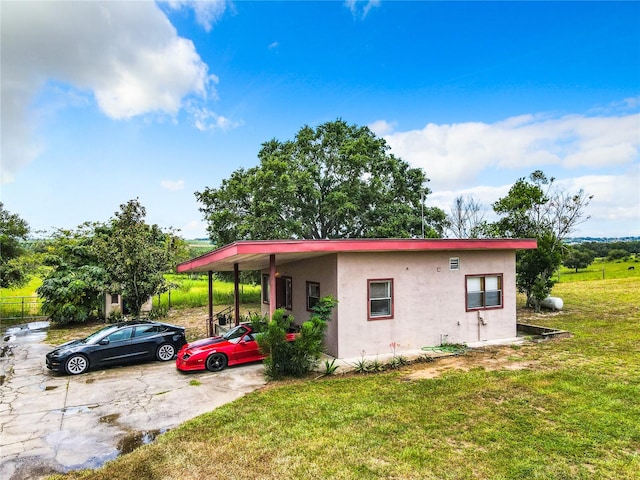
251 255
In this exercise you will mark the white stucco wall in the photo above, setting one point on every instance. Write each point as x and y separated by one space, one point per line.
429 299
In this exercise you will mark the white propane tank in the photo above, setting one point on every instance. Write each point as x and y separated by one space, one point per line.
552 303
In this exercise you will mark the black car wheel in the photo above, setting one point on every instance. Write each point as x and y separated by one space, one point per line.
76 364
165 352
216 362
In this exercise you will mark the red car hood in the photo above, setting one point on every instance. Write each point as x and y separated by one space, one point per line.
206 342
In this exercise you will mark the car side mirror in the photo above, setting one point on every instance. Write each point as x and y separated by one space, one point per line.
104 341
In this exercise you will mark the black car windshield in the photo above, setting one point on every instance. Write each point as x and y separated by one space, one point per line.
235 334
95 337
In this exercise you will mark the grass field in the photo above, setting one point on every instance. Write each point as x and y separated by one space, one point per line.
187 292
600 270
560 409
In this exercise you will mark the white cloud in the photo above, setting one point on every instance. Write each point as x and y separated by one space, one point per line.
361 8
205 119
207 12
194 229
381 127
614 210
172 185
455 155
127 55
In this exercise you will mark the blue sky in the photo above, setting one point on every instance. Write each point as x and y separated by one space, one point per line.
103 102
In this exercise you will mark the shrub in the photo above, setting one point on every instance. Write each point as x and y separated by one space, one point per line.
299 357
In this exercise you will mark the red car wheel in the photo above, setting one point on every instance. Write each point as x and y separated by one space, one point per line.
216 362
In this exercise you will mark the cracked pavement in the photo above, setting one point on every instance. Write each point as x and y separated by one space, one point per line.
55 423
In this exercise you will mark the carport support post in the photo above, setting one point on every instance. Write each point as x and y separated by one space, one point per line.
210 303
236 292
272 285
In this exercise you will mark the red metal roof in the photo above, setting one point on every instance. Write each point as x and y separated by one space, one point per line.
254 254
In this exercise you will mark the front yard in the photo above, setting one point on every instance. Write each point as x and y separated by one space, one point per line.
564 408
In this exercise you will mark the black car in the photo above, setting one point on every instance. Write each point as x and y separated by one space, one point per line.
118 343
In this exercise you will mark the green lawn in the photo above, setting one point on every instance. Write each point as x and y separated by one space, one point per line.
572 413
599 270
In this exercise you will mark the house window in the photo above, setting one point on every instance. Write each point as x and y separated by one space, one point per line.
115 299
484 291
284 291
265 288
380 296
313 294
454 263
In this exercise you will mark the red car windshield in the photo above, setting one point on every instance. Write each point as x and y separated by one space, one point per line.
235 334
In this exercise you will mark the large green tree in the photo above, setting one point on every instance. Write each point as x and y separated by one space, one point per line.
537 208
74 286
578 258
13 267
333 181
124 255
136 255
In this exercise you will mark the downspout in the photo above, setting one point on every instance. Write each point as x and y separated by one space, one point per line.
272 285
236 292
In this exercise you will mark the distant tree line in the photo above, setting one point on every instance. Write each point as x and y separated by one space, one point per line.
604 249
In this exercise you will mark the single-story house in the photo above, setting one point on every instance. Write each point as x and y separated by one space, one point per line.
393 294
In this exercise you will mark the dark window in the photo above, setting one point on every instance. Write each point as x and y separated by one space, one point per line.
484 291
265 288
120 335
313 294
284 291
147 330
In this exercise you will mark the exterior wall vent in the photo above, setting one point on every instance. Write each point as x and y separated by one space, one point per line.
454 263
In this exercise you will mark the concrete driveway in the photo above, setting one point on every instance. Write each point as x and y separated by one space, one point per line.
55 423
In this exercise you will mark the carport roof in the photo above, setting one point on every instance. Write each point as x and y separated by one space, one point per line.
255 254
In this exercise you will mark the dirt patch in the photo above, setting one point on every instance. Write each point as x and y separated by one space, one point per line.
491 359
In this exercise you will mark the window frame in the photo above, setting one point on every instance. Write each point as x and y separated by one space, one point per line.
309 297
287 290
388 316
265 288
284 285
484 291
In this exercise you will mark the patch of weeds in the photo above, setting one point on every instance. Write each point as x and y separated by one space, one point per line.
424 358
368 366
397 361
195 383
330 367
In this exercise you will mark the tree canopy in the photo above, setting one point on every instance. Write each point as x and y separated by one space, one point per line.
124 256
13 229
334 181
538 208
136 255
72 290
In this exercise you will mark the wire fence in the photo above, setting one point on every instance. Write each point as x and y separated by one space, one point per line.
21 309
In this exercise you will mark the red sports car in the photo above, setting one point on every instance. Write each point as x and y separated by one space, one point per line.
236 346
